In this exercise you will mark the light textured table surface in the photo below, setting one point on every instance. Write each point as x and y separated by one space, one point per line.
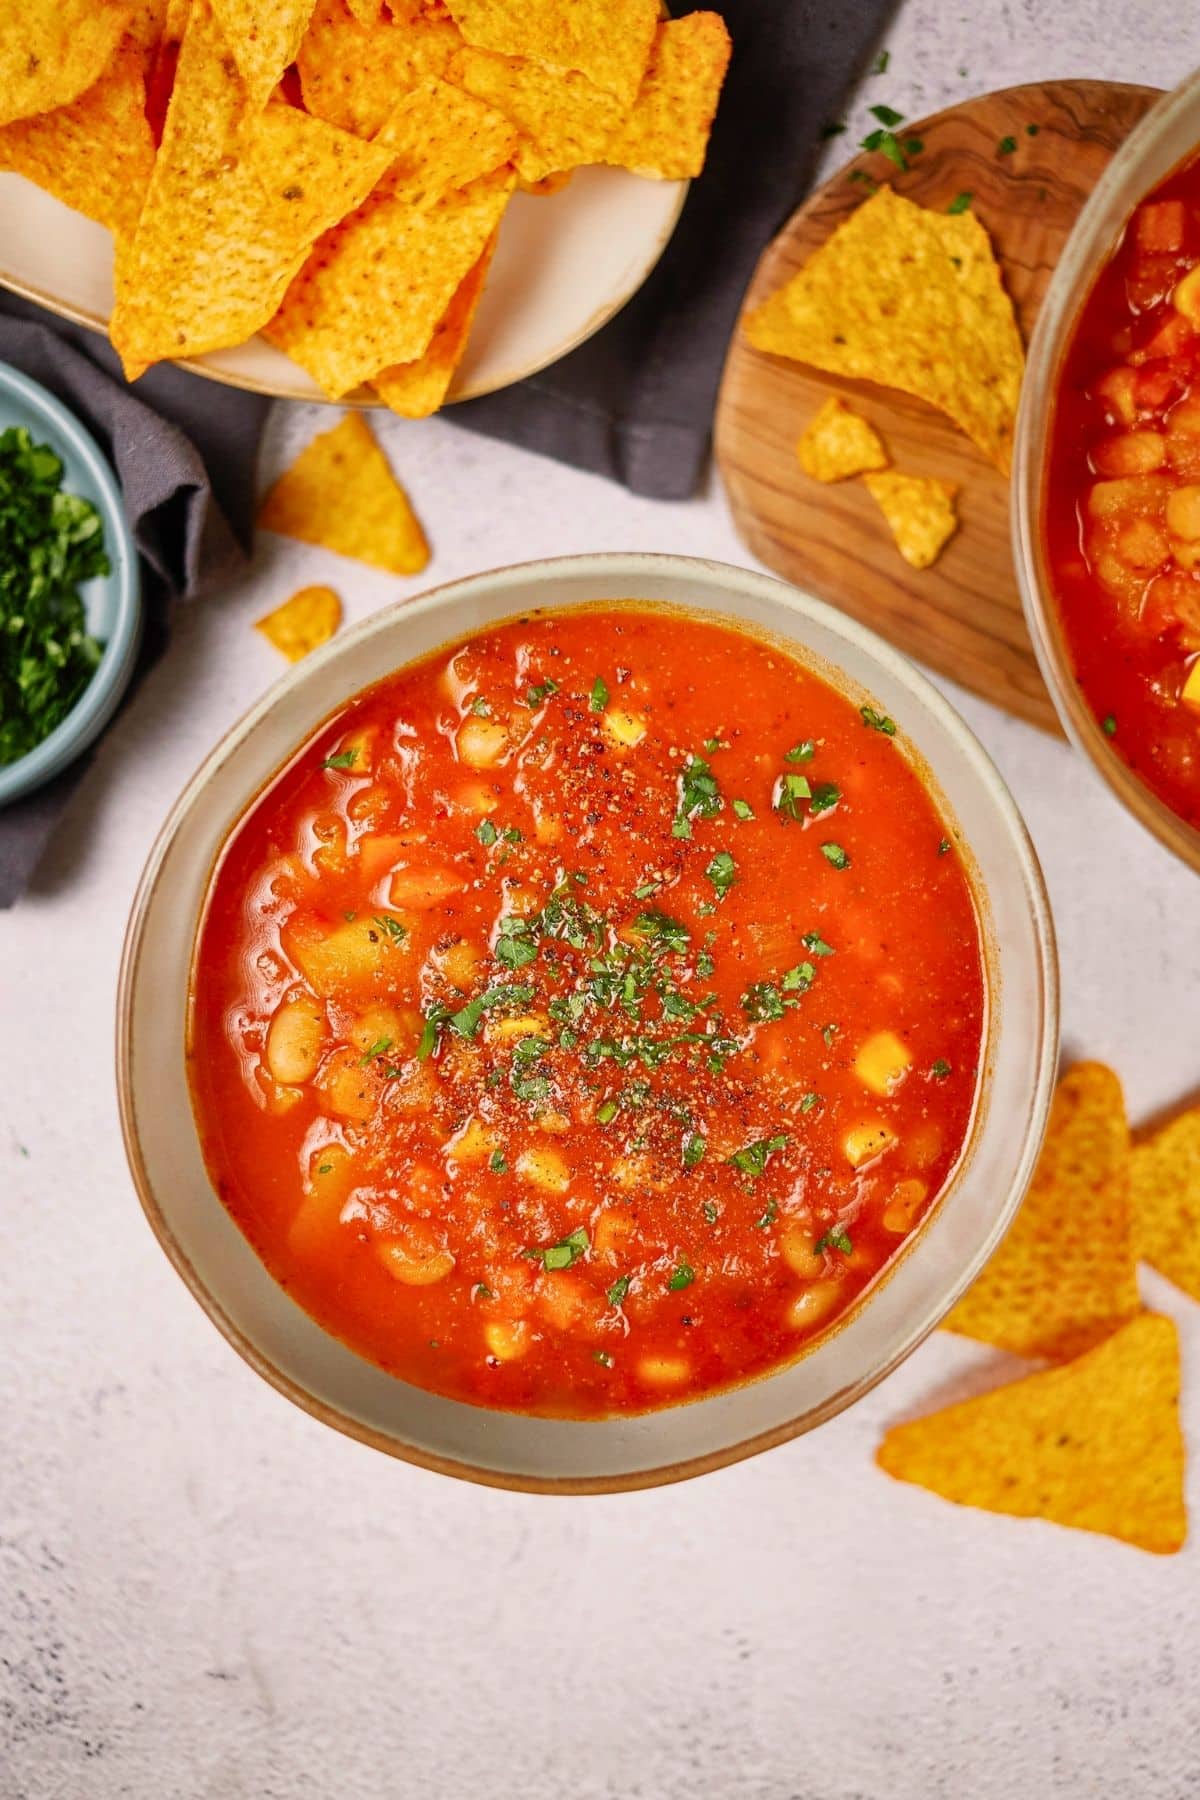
203 1592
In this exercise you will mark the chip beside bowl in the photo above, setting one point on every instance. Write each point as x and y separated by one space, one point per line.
112 602
512 1449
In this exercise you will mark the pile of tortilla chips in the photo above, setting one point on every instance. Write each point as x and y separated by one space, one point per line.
335 172
1094 1440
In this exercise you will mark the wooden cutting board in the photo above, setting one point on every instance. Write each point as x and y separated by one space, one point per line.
962 616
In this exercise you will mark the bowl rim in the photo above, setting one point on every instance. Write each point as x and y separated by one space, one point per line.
1093 240
100 698
626 567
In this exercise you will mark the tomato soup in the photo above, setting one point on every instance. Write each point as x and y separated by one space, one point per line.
1123 495
588 1012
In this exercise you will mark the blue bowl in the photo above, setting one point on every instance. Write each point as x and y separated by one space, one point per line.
112 603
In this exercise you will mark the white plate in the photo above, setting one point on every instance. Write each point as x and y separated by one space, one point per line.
565 263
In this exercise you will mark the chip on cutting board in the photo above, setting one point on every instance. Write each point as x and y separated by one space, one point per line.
303 623
1165 1184
1065 1276
609 41
919 510
666 134
417 389
264 36
232 209
838 443
51 51
1095 1444
96 154
911 299
340 493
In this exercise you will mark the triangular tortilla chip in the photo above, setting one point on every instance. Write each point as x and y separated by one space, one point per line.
564 120
96 154
838 443
919 510
231 210
607 40
374 290
51 51
352 72
1065 1275
264 36
340 493
1095 1444
910 299
1165 1185
303 623
417 389
666 134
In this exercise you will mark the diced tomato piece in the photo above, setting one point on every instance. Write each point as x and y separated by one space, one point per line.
1172 603
1160 225
1150 281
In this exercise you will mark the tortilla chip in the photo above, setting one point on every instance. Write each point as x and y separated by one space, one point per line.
375 288
365 11
564 120
148 23
353 70
1095 1444
51 51
609 41
303 623
230 214
1065 1276
340 493
96 154
838 443
417 389
912 300
920 511
264 36
666 134
1164 1175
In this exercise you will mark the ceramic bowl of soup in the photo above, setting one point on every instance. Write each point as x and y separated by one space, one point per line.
589 1023
1107 477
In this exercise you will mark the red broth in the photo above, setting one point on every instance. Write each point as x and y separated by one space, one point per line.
1123 495
587 1013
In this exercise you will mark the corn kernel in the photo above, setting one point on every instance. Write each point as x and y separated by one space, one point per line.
882 1062
664 1371
506 1339
626 729
863 1143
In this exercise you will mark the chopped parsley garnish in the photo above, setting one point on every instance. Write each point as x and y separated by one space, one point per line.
832 130
888 142
606 1113
752 1159
480 707
699 796
835 856
808 1101
711 1211
693 1150
799 979
682 1276
714 743
961 202
825 795
1032 130
345 759
722 872
564 1253
791 791
882 61
498 1163
465 1020
812 940
618 1290
941 1068
762 1002
836 1239
829 1032
378 1048
878 721
599 697
540 691
394 929
802 752
1006 146
944 847
887 115
515 947
1108 725
769 1216
524 1078
603 1358
325 1169
743 809
486 832
668 932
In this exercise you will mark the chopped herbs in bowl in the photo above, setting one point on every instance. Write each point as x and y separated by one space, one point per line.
70 611
51 541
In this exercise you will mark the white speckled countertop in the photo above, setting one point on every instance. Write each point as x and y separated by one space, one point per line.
205 1593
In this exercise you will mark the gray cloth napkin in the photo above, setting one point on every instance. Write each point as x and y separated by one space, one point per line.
636 401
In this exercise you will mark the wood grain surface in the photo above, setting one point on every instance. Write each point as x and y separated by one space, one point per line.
962 616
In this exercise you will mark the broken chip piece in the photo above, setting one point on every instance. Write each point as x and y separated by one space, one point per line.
340 493
303 623
838 443
1095 1444
1165 1190
919 510
51 51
